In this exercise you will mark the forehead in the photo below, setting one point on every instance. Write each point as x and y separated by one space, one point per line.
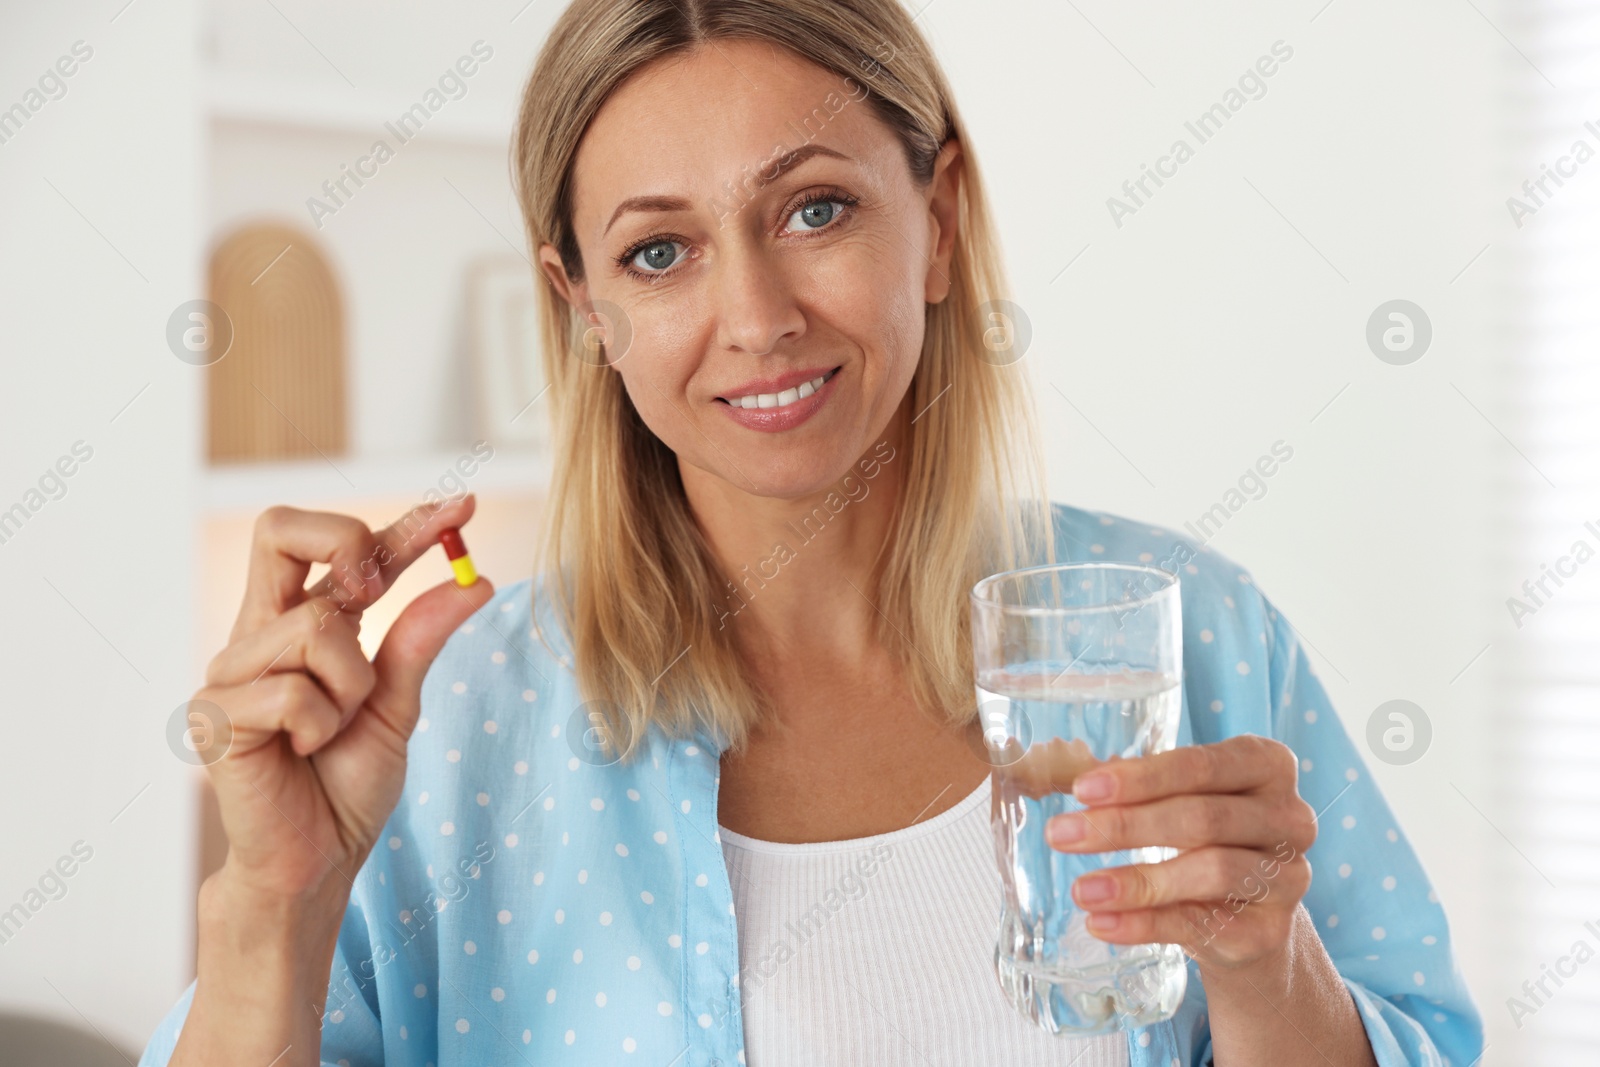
685 124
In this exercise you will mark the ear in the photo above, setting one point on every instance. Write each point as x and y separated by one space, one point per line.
576 294
944 200
556 275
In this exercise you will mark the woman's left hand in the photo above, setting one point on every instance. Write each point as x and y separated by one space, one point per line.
1229 897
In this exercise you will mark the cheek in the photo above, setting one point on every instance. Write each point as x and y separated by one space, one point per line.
653 385
874 296
656 369
901 322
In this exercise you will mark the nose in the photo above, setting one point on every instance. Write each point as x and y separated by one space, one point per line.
757 310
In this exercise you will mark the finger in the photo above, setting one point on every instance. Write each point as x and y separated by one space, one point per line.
1050 767
1189 924
1178 822
361 564
396 547
287 703
409 649
1212 927
1202 874
301 639
1236 765
285 543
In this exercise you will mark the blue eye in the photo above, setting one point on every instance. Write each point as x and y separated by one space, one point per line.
657 256
816 214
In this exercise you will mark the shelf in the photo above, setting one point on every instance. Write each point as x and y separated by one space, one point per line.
316 482
334 107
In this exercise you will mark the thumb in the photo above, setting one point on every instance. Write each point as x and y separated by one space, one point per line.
413 642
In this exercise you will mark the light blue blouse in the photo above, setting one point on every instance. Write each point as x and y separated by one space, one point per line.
528 903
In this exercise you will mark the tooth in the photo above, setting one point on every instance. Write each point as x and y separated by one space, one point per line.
748 401
767 400
805 390
788 396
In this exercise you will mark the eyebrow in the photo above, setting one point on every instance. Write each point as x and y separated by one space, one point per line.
678 203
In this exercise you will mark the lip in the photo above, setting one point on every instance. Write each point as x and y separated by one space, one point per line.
776 420
791 380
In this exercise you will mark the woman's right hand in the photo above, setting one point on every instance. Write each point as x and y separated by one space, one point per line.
317 755
315 762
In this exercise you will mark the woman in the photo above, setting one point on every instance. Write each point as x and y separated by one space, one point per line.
787 447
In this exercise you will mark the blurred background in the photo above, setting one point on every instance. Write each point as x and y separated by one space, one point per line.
1383 255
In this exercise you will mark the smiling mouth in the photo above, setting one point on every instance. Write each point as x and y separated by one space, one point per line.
779 400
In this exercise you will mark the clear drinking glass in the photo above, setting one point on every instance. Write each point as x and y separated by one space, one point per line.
1076 664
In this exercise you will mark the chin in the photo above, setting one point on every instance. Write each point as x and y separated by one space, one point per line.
795 477
797 487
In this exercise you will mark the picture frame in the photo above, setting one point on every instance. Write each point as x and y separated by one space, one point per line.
503 344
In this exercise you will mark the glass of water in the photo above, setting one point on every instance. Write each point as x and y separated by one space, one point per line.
1076 664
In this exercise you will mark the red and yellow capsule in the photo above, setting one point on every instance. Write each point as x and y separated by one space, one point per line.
456 550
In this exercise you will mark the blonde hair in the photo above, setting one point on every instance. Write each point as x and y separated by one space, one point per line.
622 560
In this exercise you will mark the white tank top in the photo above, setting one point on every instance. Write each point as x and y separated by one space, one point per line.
879 950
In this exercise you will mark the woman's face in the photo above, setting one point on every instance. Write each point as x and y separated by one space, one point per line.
759 228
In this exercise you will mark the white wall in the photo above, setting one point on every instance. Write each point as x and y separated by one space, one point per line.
98 208
1206 328
1223 316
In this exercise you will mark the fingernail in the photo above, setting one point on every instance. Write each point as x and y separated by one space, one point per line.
1093 787
1102 922
1066 829
1094 889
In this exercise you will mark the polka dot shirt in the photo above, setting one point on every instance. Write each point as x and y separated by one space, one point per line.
530 902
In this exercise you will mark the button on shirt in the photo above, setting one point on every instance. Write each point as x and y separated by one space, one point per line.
529 904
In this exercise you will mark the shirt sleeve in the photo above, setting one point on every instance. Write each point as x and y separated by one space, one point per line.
355 1039
1378 916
